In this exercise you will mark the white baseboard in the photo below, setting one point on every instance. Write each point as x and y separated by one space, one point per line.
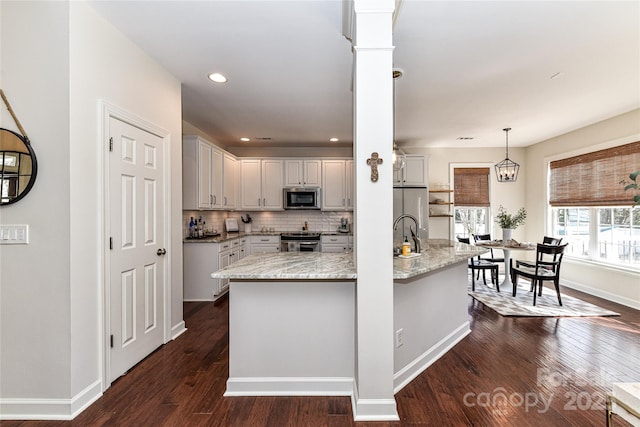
178 330
601 294
285 386
50 409
405 375
373 409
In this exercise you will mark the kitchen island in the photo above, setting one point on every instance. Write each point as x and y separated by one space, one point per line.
292 318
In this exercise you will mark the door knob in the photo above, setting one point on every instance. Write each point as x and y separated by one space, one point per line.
161 252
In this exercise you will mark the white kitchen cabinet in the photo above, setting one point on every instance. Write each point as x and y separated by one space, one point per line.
334 243
260 244
203 258
261 184
350 184
230 251
415 172
229 187
337 185
202 174
302 173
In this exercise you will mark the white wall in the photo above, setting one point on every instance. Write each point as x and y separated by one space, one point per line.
510 195
51 290
611 283
107 66
35 336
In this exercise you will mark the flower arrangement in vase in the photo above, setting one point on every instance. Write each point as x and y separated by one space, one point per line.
509 222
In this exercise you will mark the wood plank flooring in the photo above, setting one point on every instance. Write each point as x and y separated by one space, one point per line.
507 372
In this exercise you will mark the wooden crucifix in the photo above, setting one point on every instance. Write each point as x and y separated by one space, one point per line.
374 161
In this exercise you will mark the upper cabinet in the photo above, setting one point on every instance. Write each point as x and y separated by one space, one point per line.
229 184
203 176
302 173
337 185
261 184
414 173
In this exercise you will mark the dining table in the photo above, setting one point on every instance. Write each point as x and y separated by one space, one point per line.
506 249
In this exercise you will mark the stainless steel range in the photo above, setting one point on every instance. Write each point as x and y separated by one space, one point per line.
300 242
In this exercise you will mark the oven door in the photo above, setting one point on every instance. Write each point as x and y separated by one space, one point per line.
308 246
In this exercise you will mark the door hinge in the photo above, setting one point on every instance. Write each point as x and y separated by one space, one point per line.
111 340
111 143
111 243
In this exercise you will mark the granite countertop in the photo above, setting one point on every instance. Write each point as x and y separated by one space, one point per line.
438 253
222 237
291 265
331 266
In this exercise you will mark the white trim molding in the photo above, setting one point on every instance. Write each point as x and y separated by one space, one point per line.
50 409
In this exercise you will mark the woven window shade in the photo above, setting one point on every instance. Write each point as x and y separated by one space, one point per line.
593 179
471 186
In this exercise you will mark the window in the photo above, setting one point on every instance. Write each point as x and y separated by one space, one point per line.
605 234
471 200
469 220
590 209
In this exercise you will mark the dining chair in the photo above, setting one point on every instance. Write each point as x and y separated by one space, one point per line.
477 264
479 238
546 268
547 240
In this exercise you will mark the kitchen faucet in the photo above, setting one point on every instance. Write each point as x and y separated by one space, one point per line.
416 239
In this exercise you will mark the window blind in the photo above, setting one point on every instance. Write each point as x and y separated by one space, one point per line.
593 179
471 186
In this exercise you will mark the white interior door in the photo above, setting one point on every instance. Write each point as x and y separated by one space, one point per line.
137 255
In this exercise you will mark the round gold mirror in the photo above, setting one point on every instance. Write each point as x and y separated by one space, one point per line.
18 167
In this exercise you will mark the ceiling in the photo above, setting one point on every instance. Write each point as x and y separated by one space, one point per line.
543 68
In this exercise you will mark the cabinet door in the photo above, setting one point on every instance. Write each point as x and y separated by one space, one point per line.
216 178
229 191
333 185
312 173
349 179
272 184
415 170
250 184
224 259
205 194
293 173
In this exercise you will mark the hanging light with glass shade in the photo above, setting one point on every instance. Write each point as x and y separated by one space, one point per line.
507 170
398 157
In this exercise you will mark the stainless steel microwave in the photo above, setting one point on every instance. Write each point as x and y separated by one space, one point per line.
302 198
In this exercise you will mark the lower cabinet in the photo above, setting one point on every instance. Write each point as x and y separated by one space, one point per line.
261 244
335 243
201 259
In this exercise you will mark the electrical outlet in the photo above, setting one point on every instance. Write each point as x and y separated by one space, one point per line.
399 338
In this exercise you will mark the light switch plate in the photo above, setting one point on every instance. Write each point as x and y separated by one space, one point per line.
14 234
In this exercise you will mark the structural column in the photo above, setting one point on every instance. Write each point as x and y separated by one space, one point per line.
373 133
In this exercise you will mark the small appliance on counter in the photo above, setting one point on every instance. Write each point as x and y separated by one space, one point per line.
344 226
231 224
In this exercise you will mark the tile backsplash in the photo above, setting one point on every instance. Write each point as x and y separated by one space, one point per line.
280 221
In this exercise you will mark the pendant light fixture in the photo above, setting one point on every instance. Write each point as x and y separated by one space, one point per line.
398 157
507 170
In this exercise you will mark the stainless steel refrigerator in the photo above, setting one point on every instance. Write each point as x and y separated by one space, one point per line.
415 202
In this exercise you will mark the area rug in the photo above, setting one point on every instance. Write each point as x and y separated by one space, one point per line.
546 305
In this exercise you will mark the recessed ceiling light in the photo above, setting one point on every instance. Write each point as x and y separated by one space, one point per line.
245 139
334 139
217 77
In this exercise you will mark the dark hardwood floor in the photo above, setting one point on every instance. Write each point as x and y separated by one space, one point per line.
507 372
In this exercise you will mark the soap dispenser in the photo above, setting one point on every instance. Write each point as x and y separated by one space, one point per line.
406 247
